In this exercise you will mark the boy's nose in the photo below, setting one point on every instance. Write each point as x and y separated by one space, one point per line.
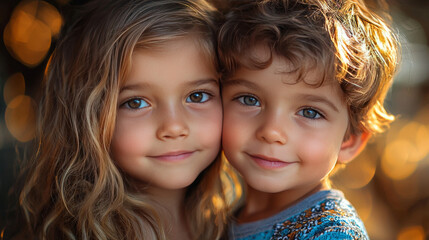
272 130
172 125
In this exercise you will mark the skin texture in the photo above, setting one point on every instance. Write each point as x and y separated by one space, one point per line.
283 136
169 121
169 116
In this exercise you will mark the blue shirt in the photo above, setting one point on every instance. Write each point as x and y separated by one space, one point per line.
323 215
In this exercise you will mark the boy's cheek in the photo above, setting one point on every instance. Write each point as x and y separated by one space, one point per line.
231 147
238 129
232 134
318 150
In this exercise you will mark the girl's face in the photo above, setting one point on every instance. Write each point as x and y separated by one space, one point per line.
169 116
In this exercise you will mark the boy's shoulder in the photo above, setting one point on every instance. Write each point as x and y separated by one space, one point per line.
323 215
333 217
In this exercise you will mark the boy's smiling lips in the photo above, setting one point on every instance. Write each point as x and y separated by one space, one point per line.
268 162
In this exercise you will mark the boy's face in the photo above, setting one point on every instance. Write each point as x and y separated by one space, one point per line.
169 116
279 134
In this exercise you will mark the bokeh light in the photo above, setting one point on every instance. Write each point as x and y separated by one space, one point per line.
412 233
20 118
416 134
14 86
49 15
405 147
397 161
28 34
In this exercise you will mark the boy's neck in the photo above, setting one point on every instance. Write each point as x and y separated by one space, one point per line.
260 205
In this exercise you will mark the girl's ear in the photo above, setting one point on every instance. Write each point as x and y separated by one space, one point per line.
351 147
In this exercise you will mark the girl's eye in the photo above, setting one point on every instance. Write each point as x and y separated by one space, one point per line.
249 101
310 113
198 97
136 103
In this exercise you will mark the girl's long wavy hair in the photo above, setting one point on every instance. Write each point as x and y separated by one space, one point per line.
73 188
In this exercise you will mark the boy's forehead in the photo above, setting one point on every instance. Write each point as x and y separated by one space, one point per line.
306 69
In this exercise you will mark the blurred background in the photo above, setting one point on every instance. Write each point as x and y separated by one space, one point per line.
387 183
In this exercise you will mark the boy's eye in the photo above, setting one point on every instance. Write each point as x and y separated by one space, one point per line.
249 101
136 103
198 97
310 113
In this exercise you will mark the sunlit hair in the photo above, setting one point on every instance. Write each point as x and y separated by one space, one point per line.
74 190
343 38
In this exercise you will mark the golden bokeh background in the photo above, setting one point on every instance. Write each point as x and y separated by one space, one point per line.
387 183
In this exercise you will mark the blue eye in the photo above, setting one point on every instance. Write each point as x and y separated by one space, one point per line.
136 103
310 113
198 97
249 101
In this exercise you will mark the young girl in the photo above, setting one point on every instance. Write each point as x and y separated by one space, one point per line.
129 127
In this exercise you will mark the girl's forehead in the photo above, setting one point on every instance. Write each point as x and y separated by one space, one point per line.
201 44
181 59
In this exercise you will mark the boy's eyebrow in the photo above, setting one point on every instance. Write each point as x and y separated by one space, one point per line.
239 82
315 98
308 97
143 85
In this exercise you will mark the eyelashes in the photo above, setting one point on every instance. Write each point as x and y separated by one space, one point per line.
306 112
136 103
199 97
248 100
310 113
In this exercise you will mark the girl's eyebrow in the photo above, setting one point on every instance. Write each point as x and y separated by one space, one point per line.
143 85
203 81
140 85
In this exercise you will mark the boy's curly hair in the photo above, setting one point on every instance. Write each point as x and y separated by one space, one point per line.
345 39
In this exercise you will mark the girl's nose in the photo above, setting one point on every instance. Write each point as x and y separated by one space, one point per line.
172 125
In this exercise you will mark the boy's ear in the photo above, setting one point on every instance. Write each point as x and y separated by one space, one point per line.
351 147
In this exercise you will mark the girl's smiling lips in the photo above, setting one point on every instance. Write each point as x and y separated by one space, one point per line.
173 156
268 162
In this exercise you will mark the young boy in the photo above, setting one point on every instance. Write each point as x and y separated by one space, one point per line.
303 89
